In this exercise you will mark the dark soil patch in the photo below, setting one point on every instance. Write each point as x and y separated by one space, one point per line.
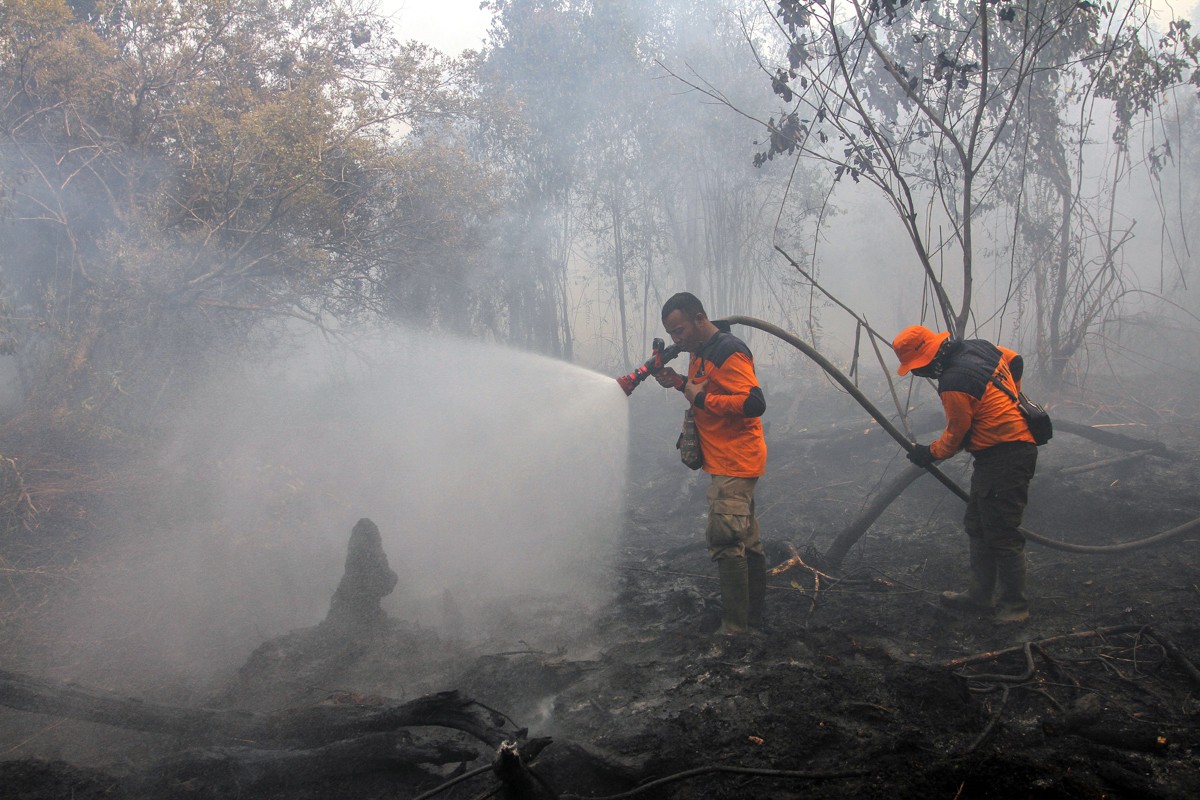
849 694
31 779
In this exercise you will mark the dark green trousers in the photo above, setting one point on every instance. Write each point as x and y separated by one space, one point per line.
999 494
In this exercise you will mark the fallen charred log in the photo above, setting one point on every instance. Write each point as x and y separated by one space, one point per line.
220 771
302 727
1079 469
293 747
1117 441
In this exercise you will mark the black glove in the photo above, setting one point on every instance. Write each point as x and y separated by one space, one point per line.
921 455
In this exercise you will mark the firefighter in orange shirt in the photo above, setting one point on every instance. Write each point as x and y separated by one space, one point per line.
727 404
984 419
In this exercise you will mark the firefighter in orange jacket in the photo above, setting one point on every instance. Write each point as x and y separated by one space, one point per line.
984 420
727 404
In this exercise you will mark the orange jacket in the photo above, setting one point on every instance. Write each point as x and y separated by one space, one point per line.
979 415
728 407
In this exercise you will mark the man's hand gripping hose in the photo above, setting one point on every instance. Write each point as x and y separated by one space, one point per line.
662 354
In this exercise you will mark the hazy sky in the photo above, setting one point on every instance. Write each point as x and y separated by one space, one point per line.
455 25
449 25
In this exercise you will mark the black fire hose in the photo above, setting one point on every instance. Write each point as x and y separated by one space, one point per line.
895 433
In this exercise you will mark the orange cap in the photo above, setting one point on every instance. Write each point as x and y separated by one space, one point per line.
916 347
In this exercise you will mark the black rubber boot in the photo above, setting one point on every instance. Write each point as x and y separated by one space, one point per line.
756 581
978 596
1013 606
735 596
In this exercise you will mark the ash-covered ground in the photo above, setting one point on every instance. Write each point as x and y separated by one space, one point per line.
862 687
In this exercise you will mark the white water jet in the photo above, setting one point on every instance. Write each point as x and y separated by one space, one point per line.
494 473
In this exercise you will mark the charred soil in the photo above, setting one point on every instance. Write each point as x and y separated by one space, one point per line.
862 685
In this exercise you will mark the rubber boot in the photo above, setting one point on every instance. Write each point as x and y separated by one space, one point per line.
1013 606
735 596
756 582
978 596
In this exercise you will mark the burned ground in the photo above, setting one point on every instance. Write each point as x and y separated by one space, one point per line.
862 687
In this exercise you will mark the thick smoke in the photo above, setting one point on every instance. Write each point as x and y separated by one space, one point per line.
491 473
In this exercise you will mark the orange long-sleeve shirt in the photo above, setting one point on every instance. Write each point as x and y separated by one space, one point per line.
979 415
728 408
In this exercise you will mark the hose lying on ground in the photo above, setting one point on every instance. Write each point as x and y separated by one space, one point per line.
894 432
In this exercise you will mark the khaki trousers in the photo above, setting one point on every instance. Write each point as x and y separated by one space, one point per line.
732 528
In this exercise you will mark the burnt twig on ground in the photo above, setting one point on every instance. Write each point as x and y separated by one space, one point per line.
991 726
1169 647
1084 717
1177 655
15 501
798 561
1030 669
956 663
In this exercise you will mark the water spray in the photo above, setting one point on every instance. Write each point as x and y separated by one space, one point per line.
662 354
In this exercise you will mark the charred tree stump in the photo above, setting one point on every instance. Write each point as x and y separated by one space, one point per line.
322 654
367 580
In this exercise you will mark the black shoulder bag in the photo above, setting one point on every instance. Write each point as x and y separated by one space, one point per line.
1035 416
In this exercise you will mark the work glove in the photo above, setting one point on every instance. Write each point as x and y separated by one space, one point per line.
921 455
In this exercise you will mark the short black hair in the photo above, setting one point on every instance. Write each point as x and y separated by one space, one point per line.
686 302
